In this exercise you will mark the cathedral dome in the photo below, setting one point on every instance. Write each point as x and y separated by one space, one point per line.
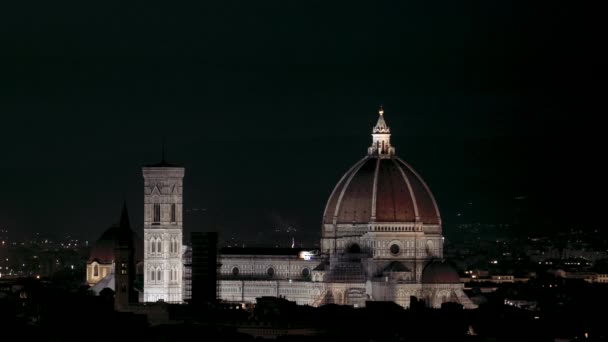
381 188
439 272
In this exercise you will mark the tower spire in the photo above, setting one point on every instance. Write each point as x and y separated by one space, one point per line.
124 216
381 138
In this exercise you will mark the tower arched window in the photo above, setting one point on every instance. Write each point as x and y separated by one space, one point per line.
159 246
156 219
159 275
152 274
152 246
173 216
95 270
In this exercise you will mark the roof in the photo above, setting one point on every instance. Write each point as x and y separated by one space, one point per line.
107 282
439 272
117 235
163 163
261 251
381 190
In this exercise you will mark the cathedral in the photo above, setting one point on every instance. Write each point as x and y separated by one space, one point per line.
381 240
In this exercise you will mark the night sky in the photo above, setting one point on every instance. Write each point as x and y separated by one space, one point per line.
268 103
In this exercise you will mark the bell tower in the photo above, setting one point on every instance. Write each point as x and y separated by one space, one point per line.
124 263
163 213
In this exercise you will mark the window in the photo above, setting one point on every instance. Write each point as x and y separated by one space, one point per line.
152 273
270 272
152 246
429 247
394 249
235 271
95 270
171 246
173 213
159 275
159 246
156 219
305 272
123 268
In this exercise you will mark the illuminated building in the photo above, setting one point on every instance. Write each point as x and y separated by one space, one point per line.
163 262
381 240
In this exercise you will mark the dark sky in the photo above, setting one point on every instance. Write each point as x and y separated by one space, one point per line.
268 103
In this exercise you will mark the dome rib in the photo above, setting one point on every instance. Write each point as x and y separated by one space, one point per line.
426 187
342 185
359 196
375 191
412 195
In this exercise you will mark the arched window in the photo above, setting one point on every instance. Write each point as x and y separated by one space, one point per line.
159 275
159 246
171 246
156 219
152 246
429 247
235 271
270 272
173 213
354 248
152 273
95 270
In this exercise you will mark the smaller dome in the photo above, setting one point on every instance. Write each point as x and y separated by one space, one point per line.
439 272
118 235
103 250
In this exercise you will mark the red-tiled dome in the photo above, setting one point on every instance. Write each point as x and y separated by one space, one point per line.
381 190
439 272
